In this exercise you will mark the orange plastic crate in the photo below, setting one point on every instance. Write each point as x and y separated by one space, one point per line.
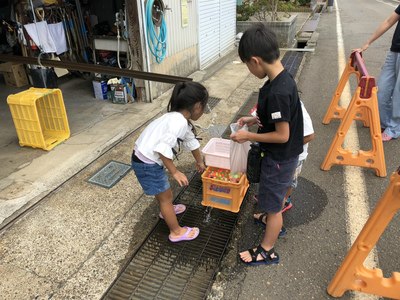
223 194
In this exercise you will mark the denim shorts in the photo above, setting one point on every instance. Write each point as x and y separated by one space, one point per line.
296 174
152 178
276 178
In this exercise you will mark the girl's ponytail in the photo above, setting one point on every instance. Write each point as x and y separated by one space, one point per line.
186 94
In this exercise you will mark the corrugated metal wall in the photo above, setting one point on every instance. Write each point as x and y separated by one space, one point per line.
179 38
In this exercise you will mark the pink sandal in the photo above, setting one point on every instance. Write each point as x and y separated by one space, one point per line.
185 236
176 209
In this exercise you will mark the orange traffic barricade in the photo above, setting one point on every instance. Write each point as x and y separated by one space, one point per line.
363 107
352 274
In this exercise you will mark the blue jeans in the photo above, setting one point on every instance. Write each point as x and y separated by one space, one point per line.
389 95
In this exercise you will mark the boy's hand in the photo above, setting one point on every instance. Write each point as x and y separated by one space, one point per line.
240 136
247 120
181 178
200 167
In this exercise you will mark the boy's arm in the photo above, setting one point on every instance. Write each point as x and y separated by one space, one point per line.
279 136
308 138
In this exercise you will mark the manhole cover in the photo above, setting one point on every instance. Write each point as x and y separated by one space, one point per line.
110 174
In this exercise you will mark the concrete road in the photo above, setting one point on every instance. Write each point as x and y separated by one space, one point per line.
329 207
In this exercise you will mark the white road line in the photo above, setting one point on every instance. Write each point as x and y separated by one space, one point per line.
357 208
390 4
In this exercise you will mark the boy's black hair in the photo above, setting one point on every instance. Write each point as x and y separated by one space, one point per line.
260 41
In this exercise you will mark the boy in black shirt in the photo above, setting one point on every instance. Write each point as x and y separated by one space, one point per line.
280 134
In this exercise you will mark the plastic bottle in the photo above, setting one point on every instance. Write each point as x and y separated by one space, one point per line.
254 163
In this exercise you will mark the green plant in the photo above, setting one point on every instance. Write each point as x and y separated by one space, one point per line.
265 8
245 11
304 2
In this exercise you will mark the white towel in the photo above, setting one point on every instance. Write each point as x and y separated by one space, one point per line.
44 40
58 34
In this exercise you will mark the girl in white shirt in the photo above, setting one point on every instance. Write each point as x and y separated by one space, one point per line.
159 142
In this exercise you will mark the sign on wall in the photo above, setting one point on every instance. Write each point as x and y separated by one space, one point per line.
184 6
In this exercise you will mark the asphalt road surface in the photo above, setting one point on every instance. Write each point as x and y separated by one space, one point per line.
329 207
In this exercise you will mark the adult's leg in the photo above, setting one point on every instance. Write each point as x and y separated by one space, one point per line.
393 128
386 83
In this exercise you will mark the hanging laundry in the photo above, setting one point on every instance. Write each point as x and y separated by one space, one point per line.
44 40
58 34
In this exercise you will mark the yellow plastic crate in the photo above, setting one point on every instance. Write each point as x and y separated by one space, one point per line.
39 117
223 194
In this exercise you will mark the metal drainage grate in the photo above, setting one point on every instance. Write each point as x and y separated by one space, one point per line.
212 102
110 174
311 24
291 61
161 269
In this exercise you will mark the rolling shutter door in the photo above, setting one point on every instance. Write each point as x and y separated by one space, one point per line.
208 32
227 29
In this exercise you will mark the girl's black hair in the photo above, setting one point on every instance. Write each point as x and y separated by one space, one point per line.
260 41
185 95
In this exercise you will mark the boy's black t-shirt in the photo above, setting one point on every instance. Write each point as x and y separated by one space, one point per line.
396 36
279 101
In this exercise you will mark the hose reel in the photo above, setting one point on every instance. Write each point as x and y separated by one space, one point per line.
157 12
156 29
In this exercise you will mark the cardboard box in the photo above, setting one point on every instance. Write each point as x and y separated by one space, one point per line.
14 74
119 94
100 89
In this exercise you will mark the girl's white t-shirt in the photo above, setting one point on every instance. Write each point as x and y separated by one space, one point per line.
161 136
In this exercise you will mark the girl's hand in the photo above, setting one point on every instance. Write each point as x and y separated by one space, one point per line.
240 136
200 167
180 178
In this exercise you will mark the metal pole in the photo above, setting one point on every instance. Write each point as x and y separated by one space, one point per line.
95 69
143 29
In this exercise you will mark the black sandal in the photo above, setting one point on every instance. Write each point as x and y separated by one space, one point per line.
260 222
266 255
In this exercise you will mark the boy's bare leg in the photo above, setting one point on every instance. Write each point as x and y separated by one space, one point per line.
288 193
164 199
274 225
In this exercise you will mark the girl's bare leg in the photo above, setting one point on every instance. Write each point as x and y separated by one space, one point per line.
164 199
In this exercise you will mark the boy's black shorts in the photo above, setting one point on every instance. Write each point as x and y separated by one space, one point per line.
275 179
